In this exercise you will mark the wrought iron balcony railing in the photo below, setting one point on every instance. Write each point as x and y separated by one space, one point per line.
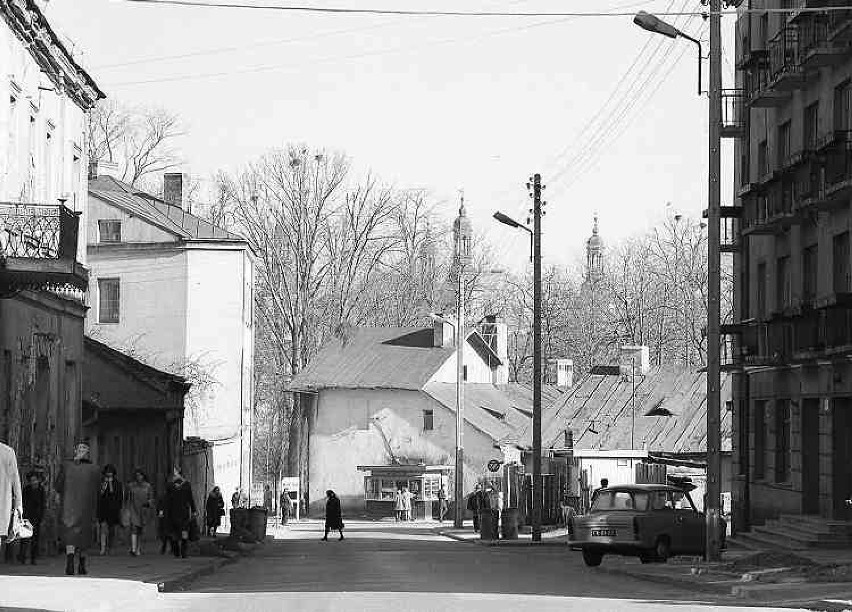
733 113
38 246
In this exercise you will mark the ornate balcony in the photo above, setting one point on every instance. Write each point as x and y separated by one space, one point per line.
785 64
816 49
38 248
759 90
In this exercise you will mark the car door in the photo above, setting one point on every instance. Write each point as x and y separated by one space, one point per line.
691 527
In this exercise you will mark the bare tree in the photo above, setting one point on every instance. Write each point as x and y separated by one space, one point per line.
140 140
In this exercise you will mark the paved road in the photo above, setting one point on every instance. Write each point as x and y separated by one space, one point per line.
379 567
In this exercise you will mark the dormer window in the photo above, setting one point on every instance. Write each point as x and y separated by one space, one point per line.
110 230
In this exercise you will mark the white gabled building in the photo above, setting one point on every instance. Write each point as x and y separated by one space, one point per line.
177 292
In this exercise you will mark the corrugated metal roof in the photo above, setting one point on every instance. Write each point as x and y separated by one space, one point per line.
523 394
170 218
485 407
599 410
374 358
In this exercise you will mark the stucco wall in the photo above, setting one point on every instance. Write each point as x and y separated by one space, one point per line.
133 229
478 371
34 168
153 296
347 432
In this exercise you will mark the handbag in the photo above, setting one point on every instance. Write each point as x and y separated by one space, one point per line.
20 528
124 517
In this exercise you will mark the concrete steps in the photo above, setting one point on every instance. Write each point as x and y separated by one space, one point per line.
792 532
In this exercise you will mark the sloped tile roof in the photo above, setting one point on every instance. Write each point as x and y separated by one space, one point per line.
374 358
602 403
166 216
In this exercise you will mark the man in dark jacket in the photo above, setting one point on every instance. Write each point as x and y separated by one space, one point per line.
476 503
34 503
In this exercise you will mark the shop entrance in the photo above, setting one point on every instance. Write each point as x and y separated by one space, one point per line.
810 455
841 437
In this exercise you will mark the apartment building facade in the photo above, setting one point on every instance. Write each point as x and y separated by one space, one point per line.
788 232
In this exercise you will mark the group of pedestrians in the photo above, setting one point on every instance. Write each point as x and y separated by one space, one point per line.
93 503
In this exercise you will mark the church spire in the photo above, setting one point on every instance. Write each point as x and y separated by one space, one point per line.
594 256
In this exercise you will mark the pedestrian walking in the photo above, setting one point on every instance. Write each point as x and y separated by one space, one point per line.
78 484
235 498
407 504
475 505
214 510
139 502
267 499
333 515
162 527
443 504
110 501
566 509
11 502
284 505
180 511
399 505
34 503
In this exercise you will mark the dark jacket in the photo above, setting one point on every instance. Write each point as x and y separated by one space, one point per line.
214 509
333 514
477 501
33 501
110 500
178 507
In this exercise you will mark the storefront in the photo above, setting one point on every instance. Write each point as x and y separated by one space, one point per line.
381 483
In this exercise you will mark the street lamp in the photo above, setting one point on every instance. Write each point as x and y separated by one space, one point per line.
654 24
535 236
714 467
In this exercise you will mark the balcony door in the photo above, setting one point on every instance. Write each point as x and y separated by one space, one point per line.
843 107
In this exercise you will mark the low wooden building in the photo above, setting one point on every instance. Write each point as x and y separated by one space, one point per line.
132 413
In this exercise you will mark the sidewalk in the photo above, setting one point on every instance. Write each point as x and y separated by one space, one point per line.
553 537
165 571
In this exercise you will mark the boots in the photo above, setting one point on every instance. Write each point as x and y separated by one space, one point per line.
69 564
81 567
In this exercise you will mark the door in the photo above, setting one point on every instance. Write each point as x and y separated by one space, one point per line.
810 455
841 436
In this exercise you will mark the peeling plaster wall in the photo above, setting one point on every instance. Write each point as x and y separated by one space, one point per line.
348 432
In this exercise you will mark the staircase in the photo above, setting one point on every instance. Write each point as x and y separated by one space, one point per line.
795 532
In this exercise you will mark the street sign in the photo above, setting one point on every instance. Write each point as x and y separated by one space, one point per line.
494 465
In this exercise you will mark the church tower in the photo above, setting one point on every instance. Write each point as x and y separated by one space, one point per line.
594 257
462 258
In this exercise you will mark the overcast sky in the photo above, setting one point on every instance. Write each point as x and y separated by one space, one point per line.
607 112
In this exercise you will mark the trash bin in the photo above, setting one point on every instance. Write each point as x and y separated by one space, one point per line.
488 525
509 524
239 521
257 522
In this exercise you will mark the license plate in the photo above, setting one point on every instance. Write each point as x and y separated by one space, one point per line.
606 533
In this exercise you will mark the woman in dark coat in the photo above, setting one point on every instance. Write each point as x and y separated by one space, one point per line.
214 510
110 500
179 511
333 514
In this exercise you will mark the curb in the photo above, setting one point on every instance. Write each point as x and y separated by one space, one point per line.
181 581
704 587
508 543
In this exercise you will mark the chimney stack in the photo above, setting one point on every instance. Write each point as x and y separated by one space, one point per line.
634 356
442 334
173 188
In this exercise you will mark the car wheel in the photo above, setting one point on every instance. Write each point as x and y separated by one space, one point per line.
592 558
663 549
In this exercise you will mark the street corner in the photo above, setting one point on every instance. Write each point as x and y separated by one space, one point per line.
682 573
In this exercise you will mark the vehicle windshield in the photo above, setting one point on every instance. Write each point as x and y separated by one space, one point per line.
620 500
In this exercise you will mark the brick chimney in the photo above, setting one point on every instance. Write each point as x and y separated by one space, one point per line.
173 188
634 356
443 335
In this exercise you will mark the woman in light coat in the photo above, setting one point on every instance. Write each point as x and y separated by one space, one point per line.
140 499
10 489
399 505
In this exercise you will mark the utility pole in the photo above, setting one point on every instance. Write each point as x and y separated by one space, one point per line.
462 231
712 509
537 489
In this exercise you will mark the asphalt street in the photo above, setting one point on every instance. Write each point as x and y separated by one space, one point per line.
382 567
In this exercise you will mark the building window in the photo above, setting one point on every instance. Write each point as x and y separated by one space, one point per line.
110 230
810 270
464 372
810 126
428 420
761 290
783 290
762 159
784 143
782 441
841 263
109 300
843 107
759 439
